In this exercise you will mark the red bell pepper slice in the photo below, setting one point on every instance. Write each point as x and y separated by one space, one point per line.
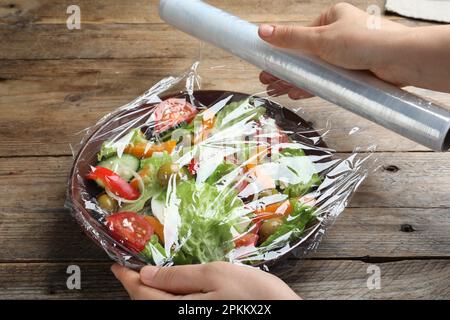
114 183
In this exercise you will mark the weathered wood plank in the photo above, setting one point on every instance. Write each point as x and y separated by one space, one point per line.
384 232
48 281
21 39
39 184
50 101
414 180
146 11
312 279
371 232
327 279
45 236
96 42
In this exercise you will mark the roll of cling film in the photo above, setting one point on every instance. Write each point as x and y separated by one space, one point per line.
411 116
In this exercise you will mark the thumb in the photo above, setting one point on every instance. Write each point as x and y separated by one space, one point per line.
184 279
293 37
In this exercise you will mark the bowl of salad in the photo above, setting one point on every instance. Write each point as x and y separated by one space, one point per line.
200 177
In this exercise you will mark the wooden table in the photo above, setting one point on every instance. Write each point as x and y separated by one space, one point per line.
54 82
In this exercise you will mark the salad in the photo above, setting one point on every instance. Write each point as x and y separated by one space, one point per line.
194 185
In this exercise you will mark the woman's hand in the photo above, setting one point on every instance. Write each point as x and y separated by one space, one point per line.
212 281
345 36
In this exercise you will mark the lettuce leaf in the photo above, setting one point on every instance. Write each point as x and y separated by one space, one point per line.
106 151
221 170
153 252
290 152
236 112
109 148
206 221
179 130
154 162
299 189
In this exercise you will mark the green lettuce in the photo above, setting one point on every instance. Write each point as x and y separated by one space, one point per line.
221 170
107 151
248 111
206 221
299 189
152 247
291 152
109 148
181 129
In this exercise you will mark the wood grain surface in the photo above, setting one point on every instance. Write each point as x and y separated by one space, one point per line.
55 82
313 279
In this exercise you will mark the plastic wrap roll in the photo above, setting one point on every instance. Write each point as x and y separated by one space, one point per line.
411 116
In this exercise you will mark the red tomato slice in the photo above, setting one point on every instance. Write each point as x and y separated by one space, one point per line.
193 167
172 112
130 229
248 239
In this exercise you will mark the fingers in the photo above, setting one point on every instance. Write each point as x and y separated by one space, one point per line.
178 279
297 94
277 87
131 281
267 78
307 39
334 13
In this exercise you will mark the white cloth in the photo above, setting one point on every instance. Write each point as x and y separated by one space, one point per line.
435 10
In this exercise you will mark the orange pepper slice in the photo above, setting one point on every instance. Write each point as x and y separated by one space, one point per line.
274 210
206 127
209 124
142 173
158 228
143 150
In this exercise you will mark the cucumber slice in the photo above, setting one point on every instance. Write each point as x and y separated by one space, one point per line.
123 166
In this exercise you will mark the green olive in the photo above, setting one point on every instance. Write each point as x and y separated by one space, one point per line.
166 171
267 192
106 202
268 228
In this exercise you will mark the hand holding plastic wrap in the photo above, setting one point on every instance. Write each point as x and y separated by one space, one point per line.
200 176
415 118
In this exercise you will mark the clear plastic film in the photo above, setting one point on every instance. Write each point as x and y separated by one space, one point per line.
182 175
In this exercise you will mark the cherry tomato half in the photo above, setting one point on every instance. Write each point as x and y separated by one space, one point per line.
130 229
172 112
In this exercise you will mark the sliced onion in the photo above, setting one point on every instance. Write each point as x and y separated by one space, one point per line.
139 179
119 199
